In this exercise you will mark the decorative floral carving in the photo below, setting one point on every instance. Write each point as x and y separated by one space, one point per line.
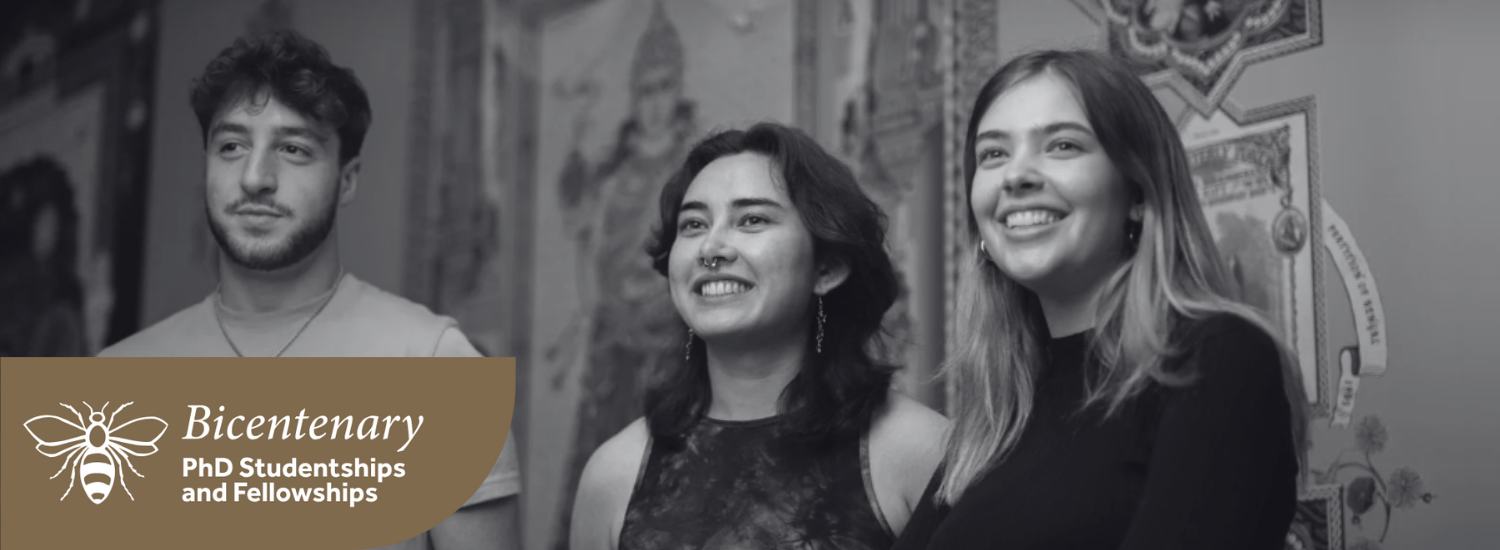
1370 489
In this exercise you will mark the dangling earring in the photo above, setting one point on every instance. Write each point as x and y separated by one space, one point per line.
687 349
822 318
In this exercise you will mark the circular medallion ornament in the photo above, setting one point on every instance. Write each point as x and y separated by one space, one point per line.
1289 230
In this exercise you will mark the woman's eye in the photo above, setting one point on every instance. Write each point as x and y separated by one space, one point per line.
295 150
1066 146
754 219
991 154
687 225
229 147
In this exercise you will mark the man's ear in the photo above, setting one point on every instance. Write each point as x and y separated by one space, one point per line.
349 181
831 274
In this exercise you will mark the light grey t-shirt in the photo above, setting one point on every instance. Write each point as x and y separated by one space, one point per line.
358 320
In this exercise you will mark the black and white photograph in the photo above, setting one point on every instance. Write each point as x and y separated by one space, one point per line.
808 274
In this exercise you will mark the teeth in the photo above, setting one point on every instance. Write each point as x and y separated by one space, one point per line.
723 288
1028 218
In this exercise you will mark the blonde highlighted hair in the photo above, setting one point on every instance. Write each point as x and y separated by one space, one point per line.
1174 275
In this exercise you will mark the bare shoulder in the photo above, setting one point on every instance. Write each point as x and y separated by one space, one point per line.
908 438
605 488
618 460
906 445
905 423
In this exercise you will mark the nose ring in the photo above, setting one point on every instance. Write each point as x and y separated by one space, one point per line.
711 263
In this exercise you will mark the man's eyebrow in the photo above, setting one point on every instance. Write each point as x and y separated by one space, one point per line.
228 127
303 132
280 131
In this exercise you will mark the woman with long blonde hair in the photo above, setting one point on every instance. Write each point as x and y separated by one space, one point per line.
1111 390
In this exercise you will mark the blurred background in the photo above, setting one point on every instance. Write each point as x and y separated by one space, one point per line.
1341 147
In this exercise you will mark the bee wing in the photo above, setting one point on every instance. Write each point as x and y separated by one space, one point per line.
138 437
51 434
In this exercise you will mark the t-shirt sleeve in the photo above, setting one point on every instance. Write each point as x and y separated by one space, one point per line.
1223 466
453 343
504 479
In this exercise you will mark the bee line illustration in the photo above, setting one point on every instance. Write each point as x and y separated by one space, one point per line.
98 455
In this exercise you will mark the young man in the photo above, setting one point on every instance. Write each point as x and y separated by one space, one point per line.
282 128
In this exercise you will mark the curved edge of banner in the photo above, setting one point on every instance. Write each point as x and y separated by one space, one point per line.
1370 357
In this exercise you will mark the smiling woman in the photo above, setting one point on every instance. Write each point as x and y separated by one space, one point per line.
742 268
1057 229
1111 391
778 424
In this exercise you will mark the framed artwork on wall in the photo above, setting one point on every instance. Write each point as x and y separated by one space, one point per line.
75 111
1257 177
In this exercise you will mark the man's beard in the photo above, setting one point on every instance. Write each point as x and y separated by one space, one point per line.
294 248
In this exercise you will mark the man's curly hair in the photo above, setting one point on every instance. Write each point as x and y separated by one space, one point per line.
294 70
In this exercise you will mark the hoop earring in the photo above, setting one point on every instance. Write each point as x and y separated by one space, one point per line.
984 253
687 349
822 318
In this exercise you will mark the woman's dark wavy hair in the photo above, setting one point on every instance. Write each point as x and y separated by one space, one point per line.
838 392
297 72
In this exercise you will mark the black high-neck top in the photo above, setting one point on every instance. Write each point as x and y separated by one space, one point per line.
736 485
1208 465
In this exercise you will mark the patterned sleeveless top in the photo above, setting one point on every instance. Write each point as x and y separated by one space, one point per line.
742 485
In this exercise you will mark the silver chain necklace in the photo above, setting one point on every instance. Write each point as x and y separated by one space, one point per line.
237 353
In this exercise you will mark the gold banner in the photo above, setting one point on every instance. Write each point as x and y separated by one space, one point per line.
243 453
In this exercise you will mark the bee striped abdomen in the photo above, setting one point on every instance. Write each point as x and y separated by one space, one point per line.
96 471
